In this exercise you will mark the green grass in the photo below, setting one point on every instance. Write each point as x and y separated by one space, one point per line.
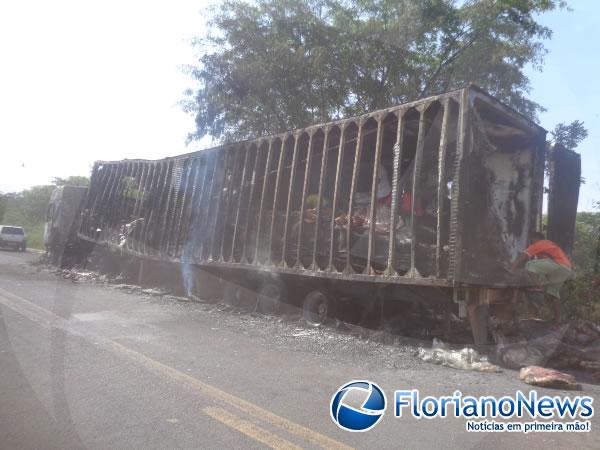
34 231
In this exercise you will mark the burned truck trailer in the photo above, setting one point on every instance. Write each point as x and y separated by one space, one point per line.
429 200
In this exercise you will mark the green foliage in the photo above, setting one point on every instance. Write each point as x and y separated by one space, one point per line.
28 208
582 295
587 233
3 201
271 65
71 181
570 136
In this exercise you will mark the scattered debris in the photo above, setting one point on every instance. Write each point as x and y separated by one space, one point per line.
533 343
549 378
155 292
127 287
465 358
571 345
176 298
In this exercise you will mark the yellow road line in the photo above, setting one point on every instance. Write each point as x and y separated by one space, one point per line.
249 429
47 319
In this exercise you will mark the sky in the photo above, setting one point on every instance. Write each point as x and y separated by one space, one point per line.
83 80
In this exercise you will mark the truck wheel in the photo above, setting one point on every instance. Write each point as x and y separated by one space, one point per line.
271 295
239 296
316 308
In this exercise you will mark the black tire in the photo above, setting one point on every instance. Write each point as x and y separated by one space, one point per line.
271 295
239 296
24 248
316 308
230 294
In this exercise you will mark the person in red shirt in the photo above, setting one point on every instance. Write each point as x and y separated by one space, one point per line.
549 263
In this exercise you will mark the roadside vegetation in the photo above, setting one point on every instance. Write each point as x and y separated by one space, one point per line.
28 208
582 295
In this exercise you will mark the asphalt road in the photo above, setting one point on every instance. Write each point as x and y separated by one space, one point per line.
89 366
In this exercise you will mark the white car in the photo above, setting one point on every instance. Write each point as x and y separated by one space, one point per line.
14 237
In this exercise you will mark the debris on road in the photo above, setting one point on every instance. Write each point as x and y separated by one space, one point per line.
154 292
549 378
465 358
570 345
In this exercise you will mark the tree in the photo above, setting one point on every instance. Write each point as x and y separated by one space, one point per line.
569 135
272 65
2 206
73 180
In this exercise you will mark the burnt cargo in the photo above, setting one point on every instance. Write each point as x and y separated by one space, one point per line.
442 191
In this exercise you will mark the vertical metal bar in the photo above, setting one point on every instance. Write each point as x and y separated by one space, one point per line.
309 153
165 230
121 208
374 186
129 208
391 270
157 208
102 181
454 271
123 195
245 169
188 202
416 179
262 200
111 200
218 200
138 206
185 187
236 160
106 203
192 231
90 198
177 191
338 170
313 265
205 204
245 256
289 199
105 200
143 168
357 155
148 207
441 188
280 168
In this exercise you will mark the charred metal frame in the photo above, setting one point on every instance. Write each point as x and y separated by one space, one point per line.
187 204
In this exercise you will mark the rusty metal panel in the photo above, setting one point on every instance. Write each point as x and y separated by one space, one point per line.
498 191
226 205
563 196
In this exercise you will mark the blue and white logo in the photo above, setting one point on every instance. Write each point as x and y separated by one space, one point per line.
358 405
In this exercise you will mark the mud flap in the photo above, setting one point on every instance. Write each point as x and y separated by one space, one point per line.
478 319
563 196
